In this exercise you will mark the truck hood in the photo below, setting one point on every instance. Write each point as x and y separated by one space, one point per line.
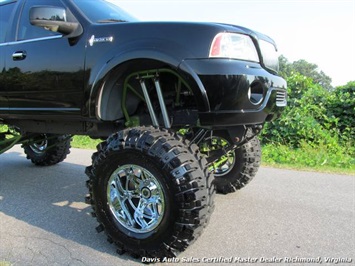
186 39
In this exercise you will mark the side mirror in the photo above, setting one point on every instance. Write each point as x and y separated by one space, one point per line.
54 19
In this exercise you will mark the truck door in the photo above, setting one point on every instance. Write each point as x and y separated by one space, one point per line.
46 67
6 9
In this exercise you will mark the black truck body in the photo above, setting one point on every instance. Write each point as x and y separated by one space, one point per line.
178 104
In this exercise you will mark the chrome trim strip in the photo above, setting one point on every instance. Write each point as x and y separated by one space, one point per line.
42 109
32 40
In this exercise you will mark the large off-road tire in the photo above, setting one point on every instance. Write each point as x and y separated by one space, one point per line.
151 193
48 149
237 168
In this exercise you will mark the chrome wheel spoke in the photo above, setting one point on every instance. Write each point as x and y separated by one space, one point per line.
127 215
118 186
118 196
154 206
139 214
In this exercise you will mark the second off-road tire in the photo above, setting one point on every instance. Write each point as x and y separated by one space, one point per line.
245 165
48 150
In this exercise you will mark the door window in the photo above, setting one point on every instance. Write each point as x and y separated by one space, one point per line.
5 14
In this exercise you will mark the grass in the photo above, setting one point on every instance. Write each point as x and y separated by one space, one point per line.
318 169
307 158
320 159
85 142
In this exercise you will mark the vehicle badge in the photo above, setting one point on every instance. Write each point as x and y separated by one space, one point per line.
93 39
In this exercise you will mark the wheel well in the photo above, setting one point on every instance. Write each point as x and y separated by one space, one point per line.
122 98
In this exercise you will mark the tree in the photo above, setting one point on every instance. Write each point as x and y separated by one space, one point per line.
341 105
306 69
285 67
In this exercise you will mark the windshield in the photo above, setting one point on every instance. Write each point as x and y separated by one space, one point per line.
100 11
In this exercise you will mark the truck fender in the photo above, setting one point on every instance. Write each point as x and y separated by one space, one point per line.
97 78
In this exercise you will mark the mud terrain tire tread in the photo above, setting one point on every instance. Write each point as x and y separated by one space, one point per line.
193 189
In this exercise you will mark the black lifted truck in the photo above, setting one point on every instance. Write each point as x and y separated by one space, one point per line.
178 106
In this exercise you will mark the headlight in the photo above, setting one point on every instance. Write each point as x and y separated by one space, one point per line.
270 55
234 46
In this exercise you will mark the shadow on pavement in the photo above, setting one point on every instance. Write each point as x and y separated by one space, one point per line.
50 198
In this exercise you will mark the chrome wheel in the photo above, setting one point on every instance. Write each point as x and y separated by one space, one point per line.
40 146
226 163
135 198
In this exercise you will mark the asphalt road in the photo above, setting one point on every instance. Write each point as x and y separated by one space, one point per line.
282 217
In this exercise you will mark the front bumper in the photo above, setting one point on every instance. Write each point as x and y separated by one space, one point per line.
269 111
227 85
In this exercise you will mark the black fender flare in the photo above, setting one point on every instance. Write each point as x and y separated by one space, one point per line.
98 76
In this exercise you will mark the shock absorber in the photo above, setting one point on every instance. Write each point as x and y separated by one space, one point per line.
161 100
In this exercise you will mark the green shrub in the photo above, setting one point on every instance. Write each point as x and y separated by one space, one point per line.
305 118
341 105
316 129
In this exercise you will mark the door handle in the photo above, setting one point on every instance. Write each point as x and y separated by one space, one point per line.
19 55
